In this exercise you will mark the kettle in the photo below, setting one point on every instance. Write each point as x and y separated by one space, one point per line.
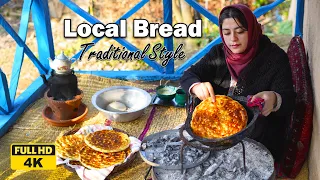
61 64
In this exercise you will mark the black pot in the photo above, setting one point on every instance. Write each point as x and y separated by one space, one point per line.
62 87
227 142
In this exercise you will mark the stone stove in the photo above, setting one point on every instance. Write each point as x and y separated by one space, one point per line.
165 151
224 164
227 164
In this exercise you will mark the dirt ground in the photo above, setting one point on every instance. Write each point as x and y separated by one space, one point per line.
29 72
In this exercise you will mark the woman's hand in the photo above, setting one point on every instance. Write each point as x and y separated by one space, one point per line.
270 100
203 90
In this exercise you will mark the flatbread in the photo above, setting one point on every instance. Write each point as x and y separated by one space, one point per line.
69 146
222 118
78 163
93 159
107 141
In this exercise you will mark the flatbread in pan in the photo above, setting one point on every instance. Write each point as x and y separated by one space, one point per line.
220 119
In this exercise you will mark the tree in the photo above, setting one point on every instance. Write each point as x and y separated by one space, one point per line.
184 13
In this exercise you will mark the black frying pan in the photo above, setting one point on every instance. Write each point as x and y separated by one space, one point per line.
227 142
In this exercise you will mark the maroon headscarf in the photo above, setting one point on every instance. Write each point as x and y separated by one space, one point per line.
236 62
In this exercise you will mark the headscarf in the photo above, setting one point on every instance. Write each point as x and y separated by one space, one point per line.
237 62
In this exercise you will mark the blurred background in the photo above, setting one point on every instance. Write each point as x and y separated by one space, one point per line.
277 24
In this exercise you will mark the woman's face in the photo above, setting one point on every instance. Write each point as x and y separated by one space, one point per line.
234 35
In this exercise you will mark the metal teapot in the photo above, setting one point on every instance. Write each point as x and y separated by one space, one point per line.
61 64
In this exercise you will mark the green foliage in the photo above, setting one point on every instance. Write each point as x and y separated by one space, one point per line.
285 27
278 28
208 34
283 8
271 29
259 3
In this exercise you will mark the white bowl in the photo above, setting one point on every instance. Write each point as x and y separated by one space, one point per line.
135 99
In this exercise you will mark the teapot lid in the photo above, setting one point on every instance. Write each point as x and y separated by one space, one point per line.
62 56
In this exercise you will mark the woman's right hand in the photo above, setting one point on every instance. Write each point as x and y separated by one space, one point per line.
203 90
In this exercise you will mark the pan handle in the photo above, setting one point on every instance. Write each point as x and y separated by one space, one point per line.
192 102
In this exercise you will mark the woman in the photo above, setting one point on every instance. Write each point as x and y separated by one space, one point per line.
247 63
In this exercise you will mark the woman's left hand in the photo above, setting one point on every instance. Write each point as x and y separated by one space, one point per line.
270 100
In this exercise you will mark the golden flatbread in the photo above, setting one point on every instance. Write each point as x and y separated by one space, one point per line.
107 141
96 160
78 163
222 118
69 146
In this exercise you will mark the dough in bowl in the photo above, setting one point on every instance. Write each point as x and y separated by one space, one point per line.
116 107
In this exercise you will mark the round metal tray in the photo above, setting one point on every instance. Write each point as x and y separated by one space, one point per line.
155 170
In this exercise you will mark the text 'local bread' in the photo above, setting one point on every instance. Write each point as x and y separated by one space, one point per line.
218 119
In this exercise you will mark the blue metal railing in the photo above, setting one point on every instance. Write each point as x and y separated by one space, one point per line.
11 107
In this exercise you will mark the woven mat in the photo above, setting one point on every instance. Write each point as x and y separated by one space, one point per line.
31 127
